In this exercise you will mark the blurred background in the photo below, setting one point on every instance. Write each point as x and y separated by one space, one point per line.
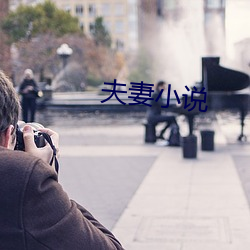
128 40
74 46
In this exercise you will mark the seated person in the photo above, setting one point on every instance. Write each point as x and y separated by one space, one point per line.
36 213
154 112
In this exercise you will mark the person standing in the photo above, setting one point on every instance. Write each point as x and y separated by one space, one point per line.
29 92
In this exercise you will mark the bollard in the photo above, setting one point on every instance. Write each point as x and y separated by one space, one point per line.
150 133
207 140
189 146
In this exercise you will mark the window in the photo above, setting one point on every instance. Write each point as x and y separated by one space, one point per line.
82 26
119 44
132 26
132 10
119 9
79 10
92 10
67 8
215 4
107 25
91 27
119 26
170 4
106 9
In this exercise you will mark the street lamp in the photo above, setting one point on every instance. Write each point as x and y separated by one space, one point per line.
64 51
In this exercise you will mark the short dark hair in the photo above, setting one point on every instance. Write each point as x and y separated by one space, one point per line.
9 104
160 84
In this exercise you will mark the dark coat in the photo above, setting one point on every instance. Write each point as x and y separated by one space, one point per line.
31 94
155 108
36 214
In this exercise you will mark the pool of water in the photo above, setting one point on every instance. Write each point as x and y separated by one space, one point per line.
60 118
83 118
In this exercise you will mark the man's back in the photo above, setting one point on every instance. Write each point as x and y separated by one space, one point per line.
35 212
12 189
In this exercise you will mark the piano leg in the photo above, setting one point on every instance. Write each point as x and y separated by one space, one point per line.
243 114
190 123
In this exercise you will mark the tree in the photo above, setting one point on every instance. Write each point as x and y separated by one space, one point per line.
100 33
141 68
96 64
42 18
5 63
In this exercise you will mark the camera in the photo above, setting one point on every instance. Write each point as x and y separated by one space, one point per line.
38 137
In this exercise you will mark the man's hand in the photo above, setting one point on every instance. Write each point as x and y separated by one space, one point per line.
45 153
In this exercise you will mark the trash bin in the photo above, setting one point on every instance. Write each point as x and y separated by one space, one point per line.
207 140
189 146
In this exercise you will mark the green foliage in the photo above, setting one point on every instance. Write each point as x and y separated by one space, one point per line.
93 81
100 33
42 18
142 70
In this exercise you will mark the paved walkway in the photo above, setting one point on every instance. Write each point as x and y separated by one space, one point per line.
181 204
188 204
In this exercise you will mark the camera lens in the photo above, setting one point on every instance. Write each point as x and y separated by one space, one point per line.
38 137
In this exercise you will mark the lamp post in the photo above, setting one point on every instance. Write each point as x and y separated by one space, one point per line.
64 51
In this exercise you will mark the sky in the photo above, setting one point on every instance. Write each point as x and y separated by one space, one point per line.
237 22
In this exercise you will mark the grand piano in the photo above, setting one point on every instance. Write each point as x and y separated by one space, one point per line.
226 89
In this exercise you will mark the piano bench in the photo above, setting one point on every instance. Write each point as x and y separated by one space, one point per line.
150 132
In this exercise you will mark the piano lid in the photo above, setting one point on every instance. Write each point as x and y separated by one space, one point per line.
218 78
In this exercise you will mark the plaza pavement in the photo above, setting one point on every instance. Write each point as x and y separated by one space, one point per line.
189 204
179 204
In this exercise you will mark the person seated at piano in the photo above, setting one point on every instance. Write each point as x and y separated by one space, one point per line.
154 112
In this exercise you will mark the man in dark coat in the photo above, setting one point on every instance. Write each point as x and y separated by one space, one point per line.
29 92
35 212
154 112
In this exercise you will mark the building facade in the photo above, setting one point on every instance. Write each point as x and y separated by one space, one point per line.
120 18
147 11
